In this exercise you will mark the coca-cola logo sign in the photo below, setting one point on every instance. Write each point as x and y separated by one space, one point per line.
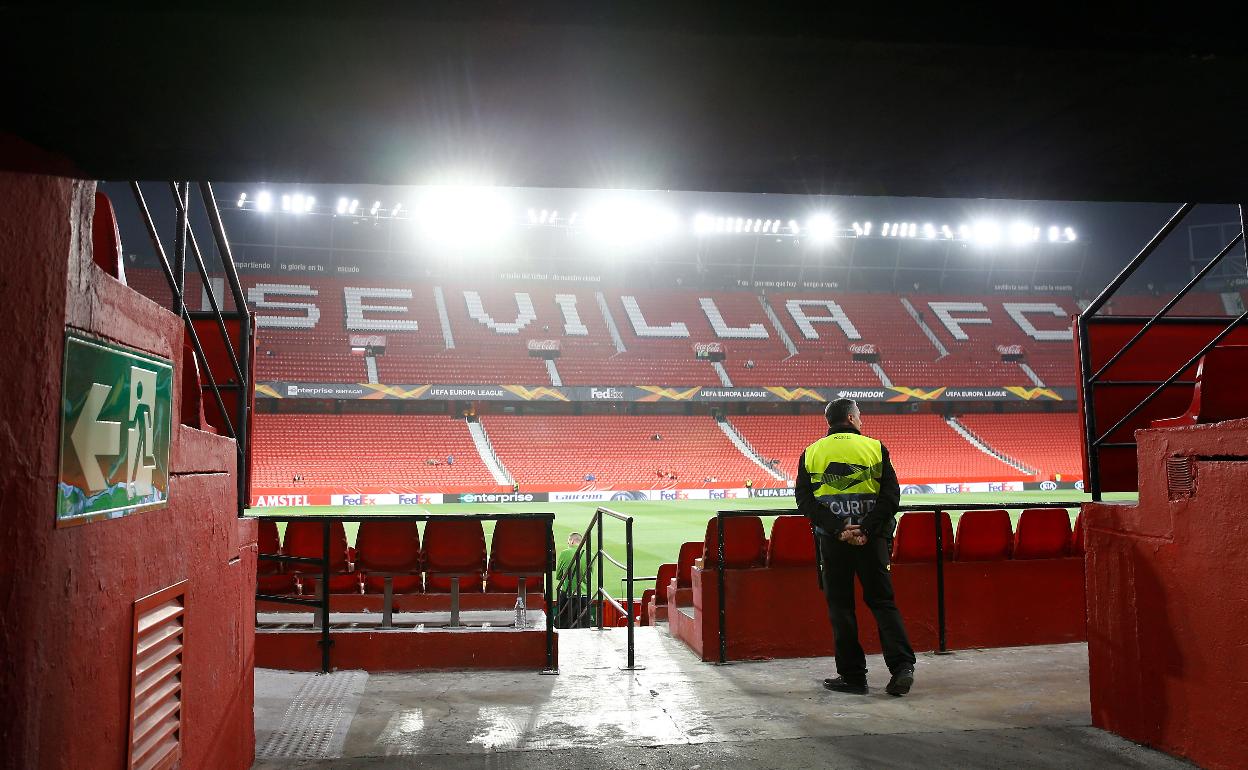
1010 350
543 344
705 348
863 349
368 341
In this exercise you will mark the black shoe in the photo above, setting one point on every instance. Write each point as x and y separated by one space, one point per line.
841 684
901 682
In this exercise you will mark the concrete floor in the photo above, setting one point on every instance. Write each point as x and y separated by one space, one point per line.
1018 707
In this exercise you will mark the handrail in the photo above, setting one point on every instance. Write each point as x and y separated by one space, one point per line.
936 510
596 556
326 520
1092 380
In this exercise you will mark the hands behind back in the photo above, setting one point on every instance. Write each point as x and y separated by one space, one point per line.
853 535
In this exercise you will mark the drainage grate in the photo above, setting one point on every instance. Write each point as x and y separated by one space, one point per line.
316 722
1180 477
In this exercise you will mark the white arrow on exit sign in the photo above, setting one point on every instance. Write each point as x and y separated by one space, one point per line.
93 437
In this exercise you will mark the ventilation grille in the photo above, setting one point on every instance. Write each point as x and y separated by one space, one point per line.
1180 477
156 693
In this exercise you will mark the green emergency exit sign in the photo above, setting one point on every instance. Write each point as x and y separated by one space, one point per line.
116 421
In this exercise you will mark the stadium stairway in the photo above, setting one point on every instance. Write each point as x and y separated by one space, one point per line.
983 446
744 447
481 440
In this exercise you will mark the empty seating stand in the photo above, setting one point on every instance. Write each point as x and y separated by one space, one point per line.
993 597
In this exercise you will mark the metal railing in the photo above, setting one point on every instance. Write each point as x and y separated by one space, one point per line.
185 242
582 571
321 604
1093 439
936 510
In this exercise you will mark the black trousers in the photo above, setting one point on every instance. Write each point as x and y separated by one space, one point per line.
841 562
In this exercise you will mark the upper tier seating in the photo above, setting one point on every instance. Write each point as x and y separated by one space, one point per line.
618 451
304 335
915 539
745 545
389 546
1049 443
1043 533
366 451
922 447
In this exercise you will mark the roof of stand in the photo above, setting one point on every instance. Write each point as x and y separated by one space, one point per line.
870 102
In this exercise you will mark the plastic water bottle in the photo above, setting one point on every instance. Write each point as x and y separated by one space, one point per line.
521 613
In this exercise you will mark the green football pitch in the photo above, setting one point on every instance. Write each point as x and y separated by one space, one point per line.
660 527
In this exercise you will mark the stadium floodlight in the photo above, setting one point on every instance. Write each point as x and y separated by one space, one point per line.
285 203
355 204
929 230
739 225
857 229
1070 234
946 231
758 225
821 227
342 205
1020 233
309 202
986 232
464 216
296 203
1054 233
572 219
376 207
866 228
394 212
794 227
532 216
914 229
543 217
624 220
554 216
264 201
242 198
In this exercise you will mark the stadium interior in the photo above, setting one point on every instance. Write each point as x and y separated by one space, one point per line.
456 421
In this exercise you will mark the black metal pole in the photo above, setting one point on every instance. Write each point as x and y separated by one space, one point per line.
1089 410
939 520
719 588
183 192
598 595
325 640
242 433
628 559
1139 259
550 573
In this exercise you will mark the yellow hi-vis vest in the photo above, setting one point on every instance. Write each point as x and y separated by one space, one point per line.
845 471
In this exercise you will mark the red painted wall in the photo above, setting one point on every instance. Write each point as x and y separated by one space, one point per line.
66 595
1168 601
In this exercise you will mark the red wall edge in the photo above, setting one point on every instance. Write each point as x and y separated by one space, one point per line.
1167 593
66 595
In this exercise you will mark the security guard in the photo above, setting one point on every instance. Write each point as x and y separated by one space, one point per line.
848 489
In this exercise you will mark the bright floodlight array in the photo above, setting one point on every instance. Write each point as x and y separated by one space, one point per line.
464 214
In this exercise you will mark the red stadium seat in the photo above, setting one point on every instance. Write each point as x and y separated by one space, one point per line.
271 577
454 547
1217 396
303 538
665 574
915 539
389 546
689 552
984 536
792 543
745 544
1076 540
1043 533
518 547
